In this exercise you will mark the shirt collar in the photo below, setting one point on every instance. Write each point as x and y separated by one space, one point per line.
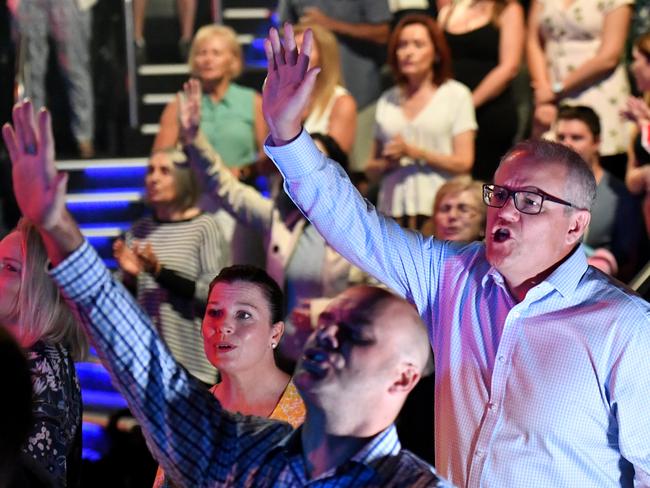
385 444
564 279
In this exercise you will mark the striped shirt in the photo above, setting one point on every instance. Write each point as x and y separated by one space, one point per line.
550 391
197 443
193 249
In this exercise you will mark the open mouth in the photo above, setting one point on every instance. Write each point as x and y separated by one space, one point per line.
224 347
501 235
315 362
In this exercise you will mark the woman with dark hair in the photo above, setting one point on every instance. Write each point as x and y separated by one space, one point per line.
242 328
297 257
168 258
486 38
424 126
35 313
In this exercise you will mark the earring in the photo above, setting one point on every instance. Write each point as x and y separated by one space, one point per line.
273 345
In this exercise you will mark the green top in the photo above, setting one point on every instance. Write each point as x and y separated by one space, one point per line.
229 125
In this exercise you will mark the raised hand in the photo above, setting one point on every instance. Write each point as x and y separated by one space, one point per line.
39 188
189 110
127 260
636 110
288 84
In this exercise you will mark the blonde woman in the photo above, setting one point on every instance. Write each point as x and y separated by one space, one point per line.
332 110
458 211
34 312
231 115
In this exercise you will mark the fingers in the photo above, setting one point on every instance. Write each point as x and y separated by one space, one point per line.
290 48
276 48
11 144
17 117
268 51
30 139
306 87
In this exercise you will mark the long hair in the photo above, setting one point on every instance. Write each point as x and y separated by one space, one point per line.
441 65
43 314
329 62
227 34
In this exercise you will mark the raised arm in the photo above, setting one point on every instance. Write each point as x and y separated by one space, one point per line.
195 441
242 201
376 32
321 188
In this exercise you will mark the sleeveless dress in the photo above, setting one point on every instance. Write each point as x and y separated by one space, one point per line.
475 54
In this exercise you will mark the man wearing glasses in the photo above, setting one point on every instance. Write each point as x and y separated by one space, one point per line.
542 376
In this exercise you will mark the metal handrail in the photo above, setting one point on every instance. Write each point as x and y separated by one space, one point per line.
131 68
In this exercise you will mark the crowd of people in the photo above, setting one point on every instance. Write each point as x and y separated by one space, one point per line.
406 244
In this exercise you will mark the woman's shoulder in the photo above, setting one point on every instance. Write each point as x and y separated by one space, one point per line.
290 407
237 90
455 88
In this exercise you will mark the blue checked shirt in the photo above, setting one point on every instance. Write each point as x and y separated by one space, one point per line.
551 391
198 443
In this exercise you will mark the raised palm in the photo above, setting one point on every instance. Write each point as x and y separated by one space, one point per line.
189 110
288 84
39 188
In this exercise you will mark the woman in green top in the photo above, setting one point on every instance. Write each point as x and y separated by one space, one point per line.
231 115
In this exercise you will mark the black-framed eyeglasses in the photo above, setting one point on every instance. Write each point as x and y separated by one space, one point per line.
526 201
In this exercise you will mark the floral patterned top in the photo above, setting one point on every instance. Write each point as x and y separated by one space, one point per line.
54 442
290 409
573 34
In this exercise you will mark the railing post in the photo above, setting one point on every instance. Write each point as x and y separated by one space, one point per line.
131 68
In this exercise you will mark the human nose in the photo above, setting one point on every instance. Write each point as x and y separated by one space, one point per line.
509 210
326 337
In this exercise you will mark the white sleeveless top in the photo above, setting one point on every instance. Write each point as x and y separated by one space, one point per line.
321 122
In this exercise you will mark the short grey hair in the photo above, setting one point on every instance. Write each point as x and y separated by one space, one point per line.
580 186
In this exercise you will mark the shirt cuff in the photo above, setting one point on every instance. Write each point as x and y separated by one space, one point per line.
297 158
80 274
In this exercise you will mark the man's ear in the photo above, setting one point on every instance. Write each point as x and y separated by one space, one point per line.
406 380
579 221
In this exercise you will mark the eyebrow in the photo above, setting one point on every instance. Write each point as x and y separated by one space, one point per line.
239 304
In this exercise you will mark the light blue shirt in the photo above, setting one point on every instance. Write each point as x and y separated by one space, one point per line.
551 391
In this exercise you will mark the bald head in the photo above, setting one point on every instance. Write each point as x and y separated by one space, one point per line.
397 322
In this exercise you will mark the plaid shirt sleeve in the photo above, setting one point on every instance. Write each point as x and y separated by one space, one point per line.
195 441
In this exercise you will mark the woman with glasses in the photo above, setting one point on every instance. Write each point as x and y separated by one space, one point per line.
458 211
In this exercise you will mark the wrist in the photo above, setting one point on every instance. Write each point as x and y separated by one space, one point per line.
557 88
280 138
